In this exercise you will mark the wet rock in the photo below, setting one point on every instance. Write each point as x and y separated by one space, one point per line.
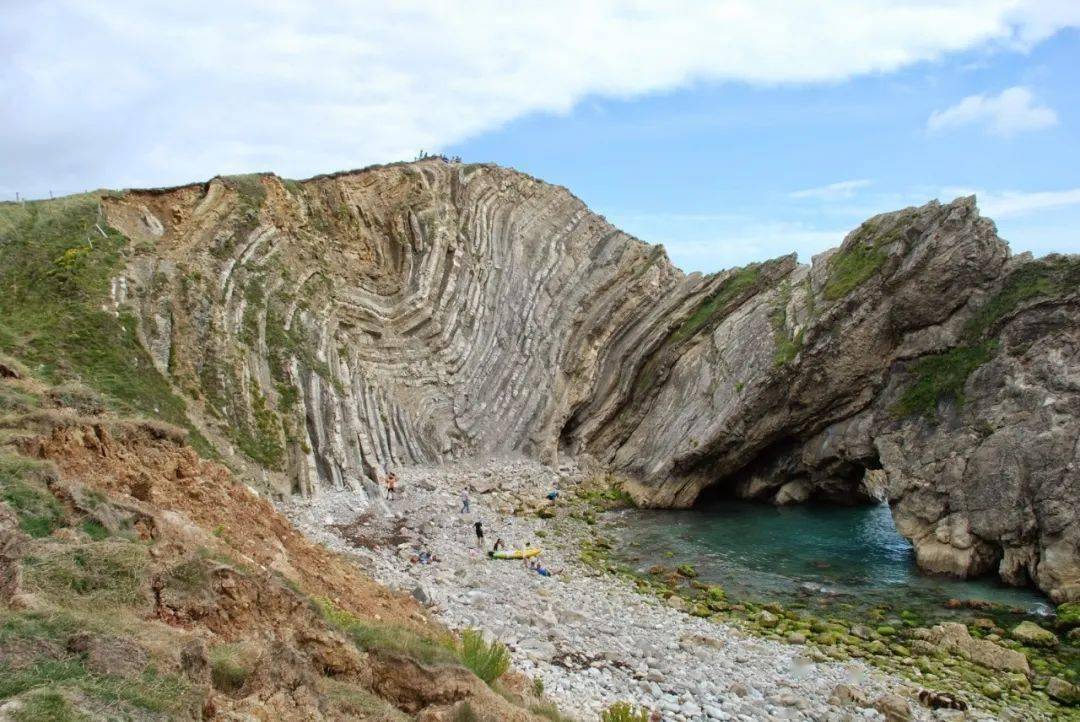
1068 615
1063 691
1033 635
861 631
954 637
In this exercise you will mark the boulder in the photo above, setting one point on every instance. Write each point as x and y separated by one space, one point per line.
1062 691
1033 635
1068 615
954 637
844 695
893 707
422 594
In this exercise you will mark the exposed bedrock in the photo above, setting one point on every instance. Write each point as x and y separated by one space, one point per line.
421 312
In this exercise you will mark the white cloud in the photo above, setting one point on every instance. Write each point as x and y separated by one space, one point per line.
833 191
1012 111
120 92
1011 204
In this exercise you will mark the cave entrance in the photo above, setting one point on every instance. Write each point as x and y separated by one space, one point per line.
777 476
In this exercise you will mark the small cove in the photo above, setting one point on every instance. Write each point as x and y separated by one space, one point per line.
827 559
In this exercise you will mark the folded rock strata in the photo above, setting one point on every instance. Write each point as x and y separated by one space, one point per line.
416 313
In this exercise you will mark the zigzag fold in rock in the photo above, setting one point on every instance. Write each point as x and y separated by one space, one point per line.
328 329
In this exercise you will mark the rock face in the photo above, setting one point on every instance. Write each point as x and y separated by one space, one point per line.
423 312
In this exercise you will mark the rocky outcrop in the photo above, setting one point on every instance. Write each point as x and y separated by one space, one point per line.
423 312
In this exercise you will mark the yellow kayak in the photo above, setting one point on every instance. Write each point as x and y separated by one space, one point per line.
514 554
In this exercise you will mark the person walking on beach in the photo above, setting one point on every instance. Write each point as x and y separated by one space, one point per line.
478 525
464 502
391 485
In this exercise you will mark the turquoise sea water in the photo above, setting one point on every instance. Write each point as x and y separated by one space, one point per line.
819 556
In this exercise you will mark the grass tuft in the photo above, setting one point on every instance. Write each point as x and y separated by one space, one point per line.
151 690
348 701
45 704
99 574
230 667
488 661
465 713
380 636
733 287
624 712
941 377
851 267
23 487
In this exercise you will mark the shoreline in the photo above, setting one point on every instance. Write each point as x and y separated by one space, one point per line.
591 637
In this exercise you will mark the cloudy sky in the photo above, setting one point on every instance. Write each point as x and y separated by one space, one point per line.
728 131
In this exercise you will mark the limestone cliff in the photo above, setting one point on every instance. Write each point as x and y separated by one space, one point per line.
420 312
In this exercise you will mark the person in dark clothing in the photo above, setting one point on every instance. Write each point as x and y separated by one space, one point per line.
498 545
479 527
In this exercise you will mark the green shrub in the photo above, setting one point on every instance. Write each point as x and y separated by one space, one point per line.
230 667
941 376
849 268
23 487
538 686
1049 278
624 712
488 661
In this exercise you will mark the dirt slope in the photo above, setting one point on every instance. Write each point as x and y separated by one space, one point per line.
140 581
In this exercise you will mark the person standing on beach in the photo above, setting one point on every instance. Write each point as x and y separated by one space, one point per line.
464 502
391 485
478 525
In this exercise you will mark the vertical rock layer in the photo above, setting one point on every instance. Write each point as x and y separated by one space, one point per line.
421 312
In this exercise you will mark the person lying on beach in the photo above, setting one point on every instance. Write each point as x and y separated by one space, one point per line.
424 557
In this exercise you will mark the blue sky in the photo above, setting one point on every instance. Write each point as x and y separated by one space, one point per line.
728 173
728 130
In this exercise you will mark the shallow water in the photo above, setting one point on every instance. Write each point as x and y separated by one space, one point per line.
821 556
